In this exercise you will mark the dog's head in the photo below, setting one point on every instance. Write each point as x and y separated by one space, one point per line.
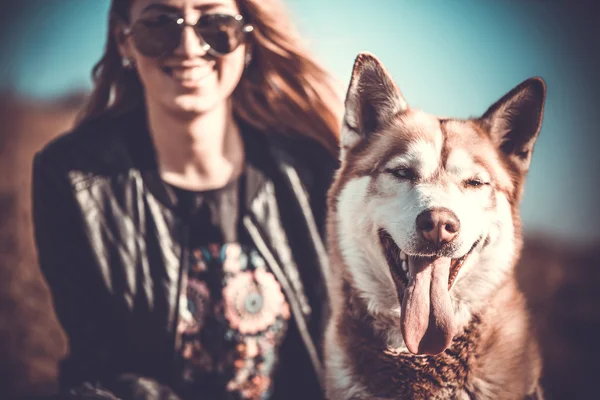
427 207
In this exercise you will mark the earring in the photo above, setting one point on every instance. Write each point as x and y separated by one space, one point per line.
127 63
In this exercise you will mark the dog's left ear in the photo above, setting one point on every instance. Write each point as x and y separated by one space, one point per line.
372 100
514 122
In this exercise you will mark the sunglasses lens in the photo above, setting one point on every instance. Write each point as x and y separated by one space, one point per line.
156 37
223 33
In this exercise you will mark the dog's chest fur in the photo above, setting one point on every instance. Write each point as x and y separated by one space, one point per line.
388 373
493 358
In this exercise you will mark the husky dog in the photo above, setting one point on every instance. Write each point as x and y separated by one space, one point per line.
424 233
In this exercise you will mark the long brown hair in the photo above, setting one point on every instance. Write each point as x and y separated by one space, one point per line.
283 90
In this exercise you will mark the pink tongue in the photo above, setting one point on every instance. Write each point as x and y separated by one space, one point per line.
427 314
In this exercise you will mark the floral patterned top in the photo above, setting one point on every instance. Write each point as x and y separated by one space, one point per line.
233 313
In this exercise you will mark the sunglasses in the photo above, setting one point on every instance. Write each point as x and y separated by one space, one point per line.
219 34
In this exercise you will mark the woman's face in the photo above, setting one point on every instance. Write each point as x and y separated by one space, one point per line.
188 79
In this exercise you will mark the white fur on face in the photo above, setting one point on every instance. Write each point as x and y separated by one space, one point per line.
401 201
421 156
461 166
486 267
360 248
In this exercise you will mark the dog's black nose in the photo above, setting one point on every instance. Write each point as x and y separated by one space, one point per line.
438 225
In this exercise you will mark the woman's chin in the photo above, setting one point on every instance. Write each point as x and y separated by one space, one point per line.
194 104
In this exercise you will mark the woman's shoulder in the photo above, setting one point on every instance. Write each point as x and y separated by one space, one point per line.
95 143
312 163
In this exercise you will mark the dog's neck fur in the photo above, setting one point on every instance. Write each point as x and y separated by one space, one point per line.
370 332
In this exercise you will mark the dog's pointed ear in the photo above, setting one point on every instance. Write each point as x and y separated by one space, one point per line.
514 122
372 100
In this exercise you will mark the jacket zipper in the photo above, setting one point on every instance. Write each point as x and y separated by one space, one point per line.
293 301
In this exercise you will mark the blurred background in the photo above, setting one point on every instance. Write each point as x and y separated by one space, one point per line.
451 58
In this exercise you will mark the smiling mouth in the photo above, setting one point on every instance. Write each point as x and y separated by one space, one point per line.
398 261
188 74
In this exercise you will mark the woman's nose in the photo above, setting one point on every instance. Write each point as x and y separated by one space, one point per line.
191 45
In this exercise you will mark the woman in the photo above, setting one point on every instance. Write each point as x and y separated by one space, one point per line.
180 224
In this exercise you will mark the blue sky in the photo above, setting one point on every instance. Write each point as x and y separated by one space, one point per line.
453 58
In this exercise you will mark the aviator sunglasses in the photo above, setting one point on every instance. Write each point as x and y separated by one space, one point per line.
219 34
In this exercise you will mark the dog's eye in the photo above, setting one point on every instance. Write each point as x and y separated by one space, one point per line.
402 173
475 183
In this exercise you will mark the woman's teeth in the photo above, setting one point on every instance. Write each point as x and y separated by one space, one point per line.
189 74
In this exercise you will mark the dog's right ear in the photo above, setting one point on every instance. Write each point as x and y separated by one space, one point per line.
372 100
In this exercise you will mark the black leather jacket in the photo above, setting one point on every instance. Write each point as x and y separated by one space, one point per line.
110 246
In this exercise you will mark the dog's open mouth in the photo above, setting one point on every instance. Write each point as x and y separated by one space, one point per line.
423 286
398 260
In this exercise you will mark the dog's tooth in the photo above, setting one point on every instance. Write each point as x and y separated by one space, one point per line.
403 256
405 266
